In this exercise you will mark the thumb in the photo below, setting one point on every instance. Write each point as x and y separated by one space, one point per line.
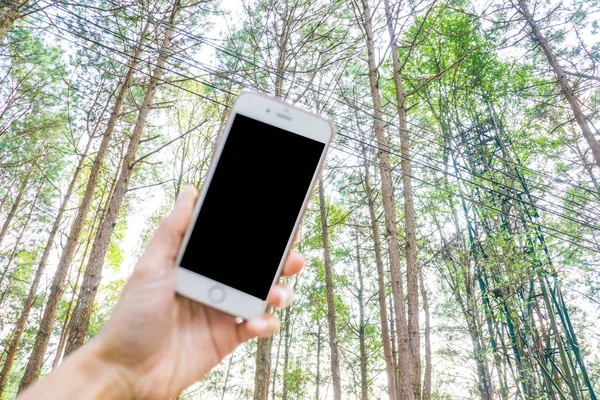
164 245
261 326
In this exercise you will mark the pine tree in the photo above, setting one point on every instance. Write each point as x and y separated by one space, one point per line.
44 331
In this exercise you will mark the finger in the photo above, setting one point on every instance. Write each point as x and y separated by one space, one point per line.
265 325
165 242
179 218
280 296
293 265
298 237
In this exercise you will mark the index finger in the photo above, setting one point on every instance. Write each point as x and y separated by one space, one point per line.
293 265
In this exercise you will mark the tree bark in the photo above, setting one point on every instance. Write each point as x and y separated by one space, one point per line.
64 334
563 81
93 274
279 343
286 350
410 224
62 342
385 332
13 344
15 205
331 323
318 374
426 393
405 388
15 249
393 336
364 376
8 191
34 365
263 368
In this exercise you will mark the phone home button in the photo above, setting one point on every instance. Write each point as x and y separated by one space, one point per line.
216 294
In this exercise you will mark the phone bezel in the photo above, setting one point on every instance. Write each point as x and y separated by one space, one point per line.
274 112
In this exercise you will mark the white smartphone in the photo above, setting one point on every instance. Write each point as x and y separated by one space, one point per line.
251 204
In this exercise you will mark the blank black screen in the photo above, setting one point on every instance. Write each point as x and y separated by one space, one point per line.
251 205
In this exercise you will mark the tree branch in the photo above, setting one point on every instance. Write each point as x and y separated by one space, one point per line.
151 185
439 74
168 143
582 75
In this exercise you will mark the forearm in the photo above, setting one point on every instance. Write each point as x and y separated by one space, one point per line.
85 374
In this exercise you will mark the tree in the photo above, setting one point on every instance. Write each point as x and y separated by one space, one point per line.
13 344
331 319
93 274
405 388
381 293
410 223
364 375
43 336
562 80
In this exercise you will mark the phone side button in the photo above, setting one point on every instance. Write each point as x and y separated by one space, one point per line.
216 294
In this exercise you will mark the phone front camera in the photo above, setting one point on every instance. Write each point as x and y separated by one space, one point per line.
268 110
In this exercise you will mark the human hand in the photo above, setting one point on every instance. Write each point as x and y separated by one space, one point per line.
159 342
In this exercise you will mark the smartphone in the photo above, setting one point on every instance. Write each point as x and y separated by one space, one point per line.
251 204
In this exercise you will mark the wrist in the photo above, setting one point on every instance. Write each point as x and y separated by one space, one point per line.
88 373
115 381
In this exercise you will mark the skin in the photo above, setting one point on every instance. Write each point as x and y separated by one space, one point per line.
156 342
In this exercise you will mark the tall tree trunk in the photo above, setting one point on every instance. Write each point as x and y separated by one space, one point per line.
42 338
98 216
318 374
15 250
426 393
263 368
333 340
261 372
8 193
64 334
364 377
393 337
15 205
13 344
286 350
410 224
93 274
563 81
385 332
277 354
588 168
405 388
